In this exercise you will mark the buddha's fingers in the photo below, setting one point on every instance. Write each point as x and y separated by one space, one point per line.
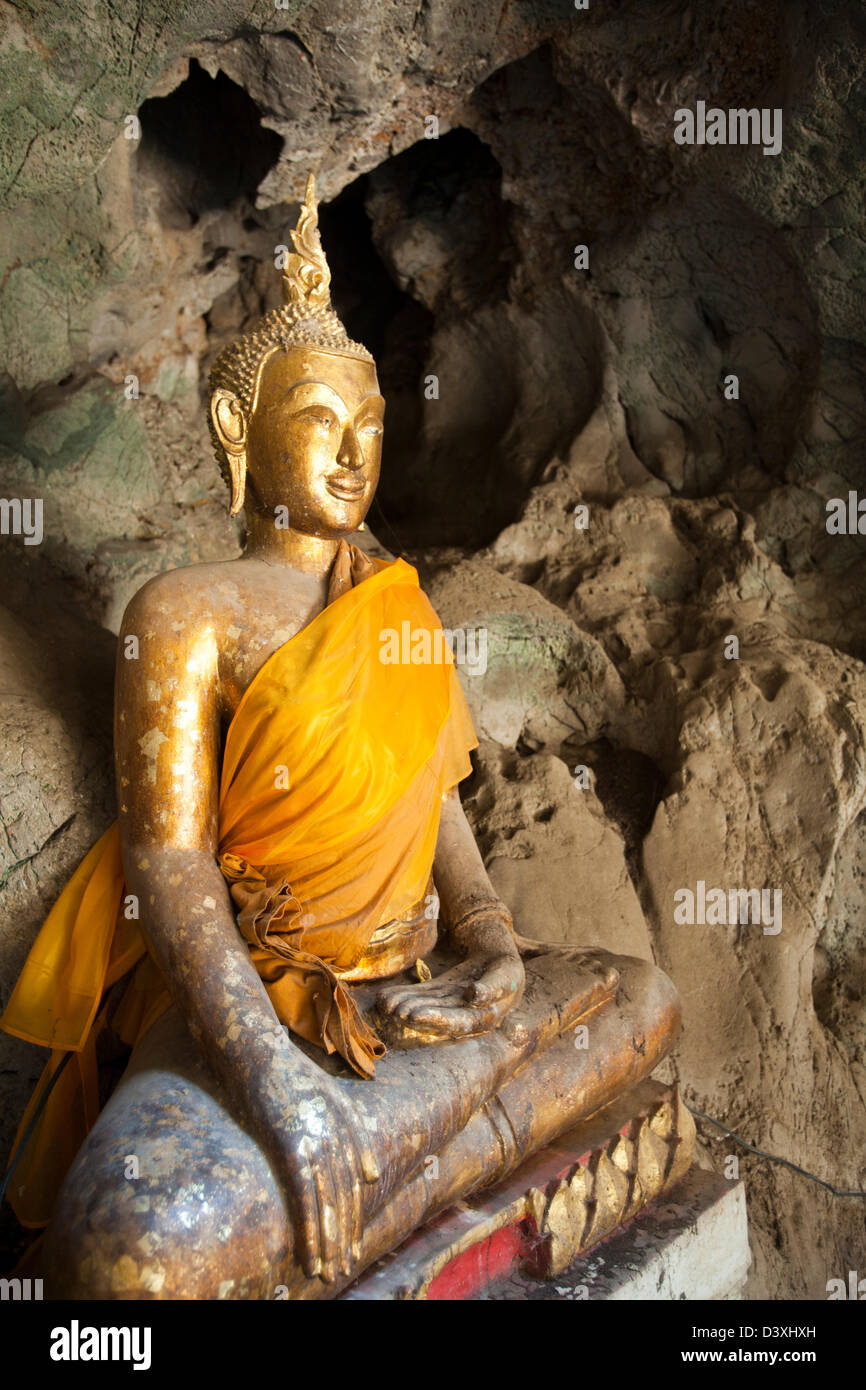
347 1193
348 1173
369 1167
357 1222
501 981
328 1221
307 1218
442 988
354 1179
396 1001
413 1005
452 1021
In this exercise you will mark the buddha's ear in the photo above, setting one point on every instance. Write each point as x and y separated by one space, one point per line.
230 423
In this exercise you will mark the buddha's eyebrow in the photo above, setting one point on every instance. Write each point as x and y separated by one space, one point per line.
374 400
313 381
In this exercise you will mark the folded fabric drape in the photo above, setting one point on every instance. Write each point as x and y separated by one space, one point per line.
333 771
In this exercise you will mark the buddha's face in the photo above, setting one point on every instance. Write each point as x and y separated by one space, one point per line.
314 442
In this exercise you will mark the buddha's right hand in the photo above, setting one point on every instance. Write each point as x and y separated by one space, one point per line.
325 1162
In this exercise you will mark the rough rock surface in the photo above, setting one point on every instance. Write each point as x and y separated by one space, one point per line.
552 852
56 780
529 673
148 174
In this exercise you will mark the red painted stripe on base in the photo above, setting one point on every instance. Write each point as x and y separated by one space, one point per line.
470 1271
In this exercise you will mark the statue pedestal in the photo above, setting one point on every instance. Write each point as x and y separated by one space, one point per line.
555 1207
690 1244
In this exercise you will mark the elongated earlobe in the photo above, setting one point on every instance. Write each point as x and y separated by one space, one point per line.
238 470
230 423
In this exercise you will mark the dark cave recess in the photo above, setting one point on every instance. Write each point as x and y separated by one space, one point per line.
204 146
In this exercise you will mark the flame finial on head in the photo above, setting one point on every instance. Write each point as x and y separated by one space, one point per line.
307 278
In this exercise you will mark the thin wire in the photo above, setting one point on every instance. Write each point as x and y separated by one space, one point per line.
400 548
774 1158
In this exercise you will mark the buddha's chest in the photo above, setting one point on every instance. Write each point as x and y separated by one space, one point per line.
267 617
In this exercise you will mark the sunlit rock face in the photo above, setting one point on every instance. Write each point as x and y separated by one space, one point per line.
624 378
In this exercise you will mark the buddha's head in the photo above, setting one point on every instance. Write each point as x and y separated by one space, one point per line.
296 413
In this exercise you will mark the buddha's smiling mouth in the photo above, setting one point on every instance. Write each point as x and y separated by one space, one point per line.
346 489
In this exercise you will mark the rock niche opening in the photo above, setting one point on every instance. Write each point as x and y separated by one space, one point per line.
422 252
203 147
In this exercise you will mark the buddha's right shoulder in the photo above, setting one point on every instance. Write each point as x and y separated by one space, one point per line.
184 597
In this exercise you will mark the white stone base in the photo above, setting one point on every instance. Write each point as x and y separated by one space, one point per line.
691 1244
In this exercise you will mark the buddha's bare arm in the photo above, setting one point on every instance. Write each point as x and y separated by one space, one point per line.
167 723
476 995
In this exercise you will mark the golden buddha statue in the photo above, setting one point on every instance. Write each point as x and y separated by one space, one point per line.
289 830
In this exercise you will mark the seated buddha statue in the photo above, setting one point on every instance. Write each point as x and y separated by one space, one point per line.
289 939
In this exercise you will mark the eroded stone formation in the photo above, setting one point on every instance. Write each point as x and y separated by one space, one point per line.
150 170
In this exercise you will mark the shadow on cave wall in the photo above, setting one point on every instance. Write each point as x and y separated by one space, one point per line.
480 390
203 146
410 248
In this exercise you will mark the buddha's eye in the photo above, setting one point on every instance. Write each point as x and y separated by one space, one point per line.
319 415
371 429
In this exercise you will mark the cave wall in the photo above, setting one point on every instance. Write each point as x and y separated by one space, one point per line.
151 159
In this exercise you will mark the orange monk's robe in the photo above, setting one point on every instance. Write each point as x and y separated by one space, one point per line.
334 768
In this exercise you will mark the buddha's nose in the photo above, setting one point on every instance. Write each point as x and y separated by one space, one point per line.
350 454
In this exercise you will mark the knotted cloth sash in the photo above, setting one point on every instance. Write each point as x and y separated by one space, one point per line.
333 771
262 908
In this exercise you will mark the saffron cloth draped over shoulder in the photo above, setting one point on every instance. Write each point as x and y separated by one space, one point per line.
333 771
